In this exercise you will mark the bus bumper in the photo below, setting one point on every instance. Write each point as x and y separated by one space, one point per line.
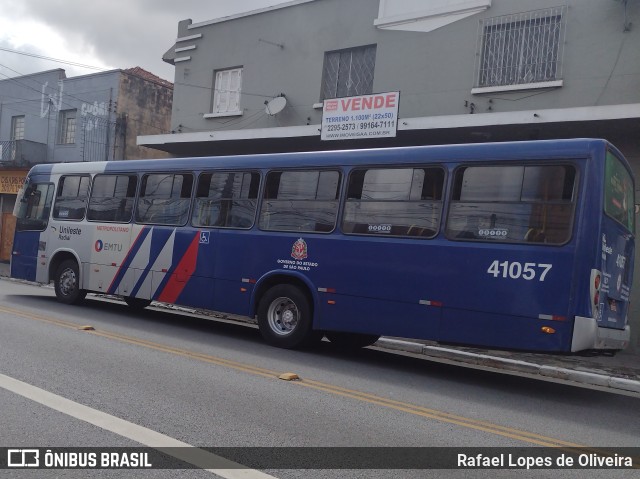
587 335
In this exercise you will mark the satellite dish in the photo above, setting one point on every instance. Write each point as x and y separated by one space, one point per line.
276 105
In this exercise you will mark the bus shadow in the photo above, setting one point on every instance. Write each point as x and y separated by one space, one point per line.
387 367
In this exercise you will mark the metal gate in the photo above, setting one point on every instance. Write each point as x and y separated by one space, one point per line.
96 134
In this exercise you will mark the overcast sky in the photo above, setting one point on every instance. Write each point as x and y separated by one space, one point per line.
101 33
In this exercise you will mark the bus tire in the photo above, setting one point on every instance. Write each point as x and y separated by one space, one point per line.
67 283
285 318
351 340
137 304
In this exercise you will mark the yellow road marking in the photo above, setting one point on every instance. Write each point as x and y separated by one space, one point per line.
413 409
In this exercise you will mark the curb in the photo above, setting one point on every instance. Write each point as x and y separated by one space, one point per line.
570 376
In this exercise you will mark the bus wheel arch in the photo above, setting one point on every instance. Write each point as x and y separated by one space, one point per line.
64 270
350 341
285 309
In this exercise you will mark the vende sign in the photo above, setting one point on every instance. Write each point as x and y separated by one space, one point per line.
367 116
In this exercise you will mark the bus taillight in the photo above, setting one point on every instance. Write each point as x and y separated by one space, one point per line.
596 280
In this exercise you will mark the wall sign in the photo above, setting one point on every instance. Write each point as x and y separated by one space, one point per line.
366 116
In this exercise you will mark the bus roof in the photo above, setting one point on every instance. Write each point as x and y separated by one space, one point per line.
571 148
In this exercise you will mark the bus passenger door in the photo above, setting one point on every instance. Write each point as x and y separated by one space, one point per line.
32 209
109 248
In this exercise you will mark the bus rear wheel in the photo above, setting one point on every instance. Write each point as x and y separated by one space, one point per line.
67 283
351 340
285 318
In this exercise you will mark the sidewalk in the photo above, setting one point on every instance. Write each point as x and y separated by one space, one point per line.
619 373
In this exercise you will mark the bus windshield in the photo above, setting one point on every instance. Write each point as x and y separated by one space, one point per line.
619 193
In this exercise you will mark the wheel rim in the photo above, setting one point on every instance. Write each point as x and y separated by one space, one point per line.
68 282
283 316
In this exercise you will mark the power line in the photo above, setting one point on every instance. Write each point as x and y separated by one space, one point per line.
66 62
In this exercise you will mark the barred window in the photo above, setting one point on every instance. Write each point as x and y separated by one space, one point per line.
521 49
348 72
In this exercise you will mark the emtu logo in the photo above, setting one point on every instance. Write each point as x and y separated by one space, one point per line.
99 245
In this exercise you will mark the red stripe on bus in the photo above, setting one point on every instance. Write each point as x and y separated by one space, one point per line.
182 273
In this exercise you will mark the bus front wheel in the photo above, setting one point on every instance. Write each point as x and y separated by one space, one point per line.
285 318
67 283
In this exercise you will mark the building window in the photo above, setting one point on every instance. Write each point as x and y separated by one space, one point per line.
226 92
67 127
17 127
348 72
521 49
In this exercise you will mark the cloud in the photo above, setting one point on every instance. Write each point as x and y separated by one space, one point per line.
109 33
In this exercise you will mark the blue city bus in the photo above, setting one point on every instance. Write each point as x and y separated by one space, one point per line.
521 245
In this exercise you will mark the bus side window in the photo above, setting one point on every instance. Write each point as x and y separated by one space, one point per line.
394 202
71 200
164 199
112 198
516 204
226 200
305 201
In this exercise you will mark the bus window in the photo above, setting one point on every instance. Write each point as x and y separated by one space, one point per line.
112 198
71 200
513 204
35 206
394 202
300 201
619 193
226 200
164 199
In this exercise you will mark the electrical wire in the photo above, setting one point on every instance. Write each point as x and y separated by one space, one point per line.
57 60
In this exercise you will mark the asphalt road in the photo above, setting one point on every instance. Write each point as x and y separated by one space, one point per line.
160 378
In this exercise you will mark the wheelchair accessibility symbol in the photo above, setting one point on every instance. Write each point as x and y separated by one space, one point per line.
204 237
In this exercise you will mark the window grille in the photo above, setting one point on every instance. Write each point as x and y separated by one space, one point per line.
348 72
521 49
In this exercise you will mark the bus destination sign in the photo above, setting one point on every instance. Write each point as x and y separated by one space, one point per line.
366 116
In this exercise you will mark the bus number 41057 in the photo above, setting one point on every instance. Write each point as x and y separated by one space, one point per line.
516 270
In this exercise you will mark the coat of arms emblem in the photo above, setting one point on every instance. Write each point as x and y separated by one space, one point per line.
299 250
